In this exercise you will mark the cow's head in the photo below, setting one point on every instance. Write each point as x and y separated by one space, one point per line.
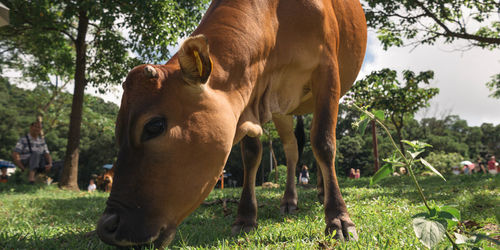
175 134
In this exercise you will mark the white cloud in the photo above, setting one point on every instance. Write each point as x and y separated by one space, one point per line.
460 76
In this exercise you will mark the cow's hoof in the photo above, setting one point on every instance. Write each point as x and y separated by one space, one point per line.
344 228
242 227
288 207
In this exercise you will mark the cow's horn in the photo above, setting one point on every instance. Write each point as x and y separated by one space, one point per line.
150 72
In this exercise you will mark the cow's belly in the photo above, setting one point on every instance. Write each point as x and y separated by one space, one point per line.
290 91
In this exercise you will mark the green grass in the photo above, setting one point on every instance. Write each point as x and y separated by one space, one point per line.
42 217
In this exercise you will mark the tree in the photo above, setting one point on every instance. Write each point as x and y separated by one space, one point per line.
381 90
423 22
494 86
83 38
18 107
416 22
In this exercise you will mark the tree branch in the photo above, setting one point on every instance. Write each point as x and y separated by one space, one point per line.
450 33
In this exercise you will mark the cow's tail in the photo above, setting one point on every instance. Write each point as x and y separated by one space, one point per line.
301 138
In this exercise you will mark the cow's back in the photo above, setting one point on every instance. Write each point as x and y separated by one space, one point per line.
301 42
273 48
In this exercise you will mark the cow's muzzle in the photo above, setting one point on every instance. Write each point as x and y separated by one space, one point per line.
111 231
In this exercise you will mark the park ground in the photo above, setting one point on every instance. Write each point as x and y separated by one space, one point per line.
45 217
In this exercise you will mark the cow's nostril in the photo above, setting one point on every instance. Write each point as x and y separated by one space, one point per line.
107 227
110 223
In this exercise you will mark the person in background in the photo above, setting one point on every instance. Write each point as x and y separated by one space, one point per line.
352 173
357 174
467 169
31 152
402 170
304 175
4 177
455 170
92 187
479 166
492 165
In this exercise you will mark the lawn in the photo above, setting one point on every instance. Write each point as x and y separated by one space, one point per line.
44 217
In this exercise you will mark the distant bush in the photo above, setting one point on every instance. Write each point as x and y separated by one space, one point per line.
443 162
281 175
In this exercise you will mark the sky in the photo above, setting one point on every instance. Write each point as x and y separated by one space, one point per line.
459 75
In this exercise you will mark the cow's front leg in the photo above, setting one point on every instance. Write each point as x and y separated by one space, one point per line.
284 125
326 91
251 151
320 185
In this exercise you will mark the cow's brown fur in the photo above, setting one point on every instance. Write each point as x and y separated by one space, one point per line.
255 61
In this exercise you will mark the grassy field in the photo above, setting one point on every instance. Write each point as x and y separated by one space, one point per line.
44 217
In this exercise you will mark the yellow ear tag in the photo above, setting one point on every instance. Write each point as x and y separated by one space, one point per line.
198 62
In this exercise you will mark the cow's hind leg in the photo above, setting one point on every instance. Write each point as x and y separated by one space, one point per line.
251 151
284 125
326 91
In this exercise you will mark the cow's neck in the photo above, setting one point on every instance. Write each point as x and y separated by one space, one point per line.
240 44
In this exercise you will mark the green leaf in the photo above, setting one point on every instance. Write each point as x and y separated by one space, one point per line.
398 164
451 221
413 145
415 153
423 215
429 232
394 160
429 166
362 126
382 173
453 211
364 117
417 145
379 114
433 211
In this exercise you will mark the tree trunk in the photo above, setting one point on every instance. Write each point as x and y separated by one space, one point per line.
69 178
400 136
399 126
375 147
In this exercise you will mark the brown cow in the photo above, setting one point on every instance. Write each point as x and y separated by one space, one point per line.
247 62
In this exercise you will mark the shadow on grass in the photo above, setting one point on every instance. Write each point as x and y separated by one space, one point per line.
67 220
20 188
69 240
434 187
208 226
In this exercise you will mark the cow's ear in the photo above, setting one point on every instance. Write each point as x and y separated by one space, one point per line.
194 59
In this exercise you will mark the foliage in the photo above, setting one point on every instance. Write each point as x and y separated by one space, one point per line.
415 22
430 226
18 109
84 39
281 175
44 217
41 37
494 86
382 91
448 135
444 162
424 22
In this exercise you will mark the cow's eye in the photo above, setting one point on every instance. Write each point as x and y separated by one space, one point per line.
153 128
